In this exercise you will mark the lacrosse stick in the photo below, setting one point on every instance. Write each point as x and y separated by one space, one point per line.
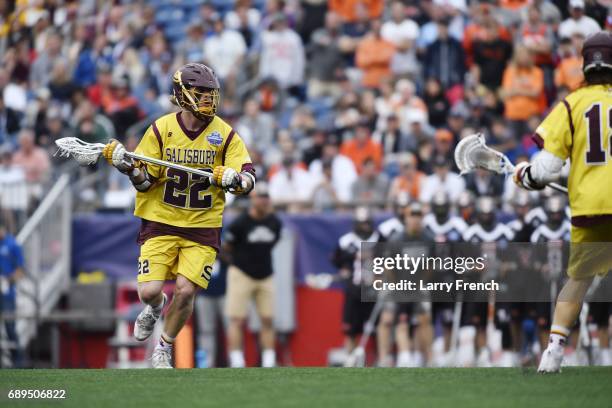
357 358
473 153
88 153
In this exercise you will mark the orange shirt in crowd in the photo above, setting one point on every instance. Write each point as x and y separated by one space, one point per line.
412 185
359 153
348 8
373 56
569 73
513 4
527 79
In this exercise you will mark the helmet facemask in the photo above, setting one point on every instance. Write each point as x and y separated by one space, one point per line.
201 102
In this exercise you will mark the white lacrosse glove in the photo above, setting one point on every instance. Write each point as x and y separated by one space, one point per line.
522 177
228 179
114 153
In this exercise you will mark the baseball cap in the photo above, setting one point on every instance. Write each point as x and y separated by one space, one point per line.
576 4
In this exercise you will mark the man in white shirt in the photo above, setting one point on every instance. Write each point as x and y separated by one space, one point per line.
224 50
343 171
291 184
399 29
442 180
578 22
282 54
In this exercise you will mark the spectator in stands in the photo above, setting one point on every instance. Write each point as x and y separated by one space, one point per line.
484 27
408 106
443 144
392 139
291 184
190 48
418 129
259 125
9 124
245 19
313 149
437 104
13 191
224 51
577 21
60 82
11 271
349 9
491 52
403 33
484 183
342 170
248 243
362 147
548 12
121 106
373 56
442 179
537 36
568 73
409 180
282 55
325 57
43 64
33 159
444 58
522 90
324 196
371 187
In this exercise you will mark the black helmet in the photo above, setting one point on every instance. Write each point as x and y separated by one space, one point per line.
195 87
597 52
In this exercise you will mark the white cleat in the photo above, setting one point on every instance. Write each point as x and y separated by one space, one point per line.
162 357
145 322
551 361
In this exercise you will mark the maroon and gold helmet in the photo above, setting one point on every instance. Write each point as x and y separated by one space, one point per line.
195 87
597 52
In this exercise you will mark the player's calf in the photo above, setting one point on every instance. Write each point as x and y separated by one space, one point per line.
145 322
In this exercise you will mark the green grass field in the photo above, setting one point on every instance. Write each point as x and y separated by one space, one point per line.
314 387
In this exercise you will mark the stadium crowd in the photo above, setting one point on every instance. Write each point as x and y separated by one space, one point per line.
340 102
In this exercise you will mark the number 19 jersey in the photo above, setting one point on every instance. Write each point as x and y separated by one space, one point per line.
580 127
178 198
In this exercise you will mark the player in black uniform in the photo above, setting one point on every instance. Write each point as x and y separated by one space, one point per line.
491 235
443 227
346 259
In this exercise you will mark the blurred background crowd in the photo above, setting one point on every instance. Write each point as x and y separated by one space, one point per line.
339 102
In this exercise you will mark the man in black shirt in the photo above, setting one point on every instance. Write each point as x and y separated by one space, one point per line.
249 241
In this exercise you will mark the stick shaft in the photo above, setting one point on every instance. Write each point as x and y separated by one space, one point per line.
169 164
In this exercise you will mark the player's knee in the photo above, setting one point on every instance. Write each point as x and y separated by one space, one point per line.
150 293
184 294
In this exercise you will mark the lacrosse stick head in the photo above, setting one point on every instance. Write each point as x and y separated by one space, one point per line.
472 153
84 153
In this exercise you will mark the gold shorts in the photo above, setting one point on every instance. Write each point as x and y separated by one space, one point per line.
163 257
590 251
241 288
